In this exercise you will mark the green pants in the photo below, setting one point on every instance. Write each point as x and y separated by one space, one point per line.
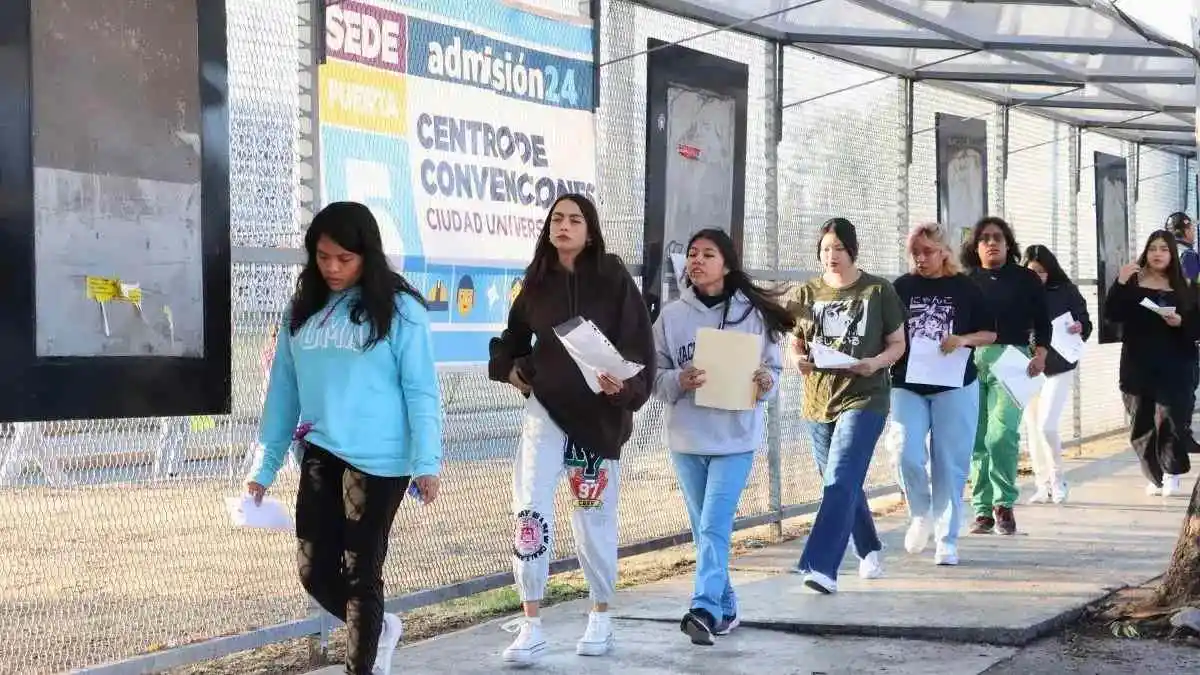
997 440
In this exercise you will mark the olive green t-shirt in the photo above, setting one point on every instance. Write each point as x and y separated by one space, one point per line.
853 320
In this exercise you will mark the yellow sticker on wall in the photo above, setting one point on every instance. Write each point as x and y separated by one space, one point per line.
102 289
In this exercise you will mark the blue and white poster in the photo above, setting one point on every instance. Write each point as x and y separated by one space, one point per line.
458 122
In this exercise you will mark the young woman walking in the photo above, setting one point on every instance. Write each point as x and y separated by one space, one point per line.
353 382
567 425
1043 413
946 312
858 314
1157 356
713 449
1017 299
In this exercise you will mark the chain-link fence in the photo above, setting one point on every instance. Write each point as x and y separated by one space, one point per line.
117 543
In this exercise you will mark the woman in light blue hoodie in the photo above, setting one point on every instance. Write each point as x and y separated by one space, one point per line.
713 449
353 383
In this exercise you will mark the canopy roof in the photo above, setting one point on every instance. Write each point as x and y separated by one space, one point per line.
1079 61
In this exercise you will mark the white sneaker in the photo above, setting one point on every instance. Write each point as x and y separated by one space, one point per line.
1042 495
870 567
917 537
1172 485
1058 493
1153 490
389 637
820 583
529 645
946 554
597 640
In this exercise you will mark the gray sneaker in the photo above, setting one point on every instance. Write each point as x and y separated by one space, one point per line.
727 624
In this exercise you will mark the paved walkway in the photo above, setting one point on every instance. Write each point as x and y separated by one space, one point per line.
919 619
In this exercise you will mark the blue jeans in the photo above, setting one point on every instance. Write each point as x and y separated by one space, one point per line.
843 450
712 486
949 419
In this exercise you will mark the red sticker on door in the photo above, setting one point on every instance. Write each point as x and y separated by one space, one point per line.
689 151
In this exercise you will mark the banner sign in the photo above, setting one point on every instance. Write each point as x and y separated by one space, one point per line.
458 122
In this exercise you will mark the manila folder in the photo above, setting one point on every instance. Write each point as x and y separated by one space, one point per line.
728 359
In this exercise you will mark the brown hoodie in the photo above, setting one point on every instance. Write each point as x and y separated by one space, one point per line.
604 292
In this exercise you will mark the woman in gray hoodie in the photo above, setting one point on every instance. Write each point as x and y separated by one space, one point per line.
713 449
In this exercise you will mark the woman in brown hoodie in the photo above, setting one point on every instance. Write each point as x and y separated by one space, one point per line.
567 426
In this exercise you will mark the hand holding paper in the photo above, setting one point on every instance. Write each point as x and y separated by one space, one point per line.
1012 369
595 355
929 364
728 359
271 514
1063 340
829 358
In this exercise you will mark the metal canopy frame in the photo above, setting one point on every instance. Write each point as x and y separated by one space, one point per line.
1082 62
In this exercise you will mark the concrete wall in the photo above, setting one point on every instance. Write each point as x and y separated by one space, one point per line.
117 175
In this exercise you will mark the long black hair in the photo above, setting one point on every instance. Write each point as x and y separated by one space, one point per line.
844 230
970 250
351 226
1055 276
545 256
777 319
1183 290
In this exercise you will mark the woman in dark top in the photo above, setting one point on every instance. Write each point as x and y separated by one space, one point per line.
1157 356
1044 411
946 312
569 425
1017 299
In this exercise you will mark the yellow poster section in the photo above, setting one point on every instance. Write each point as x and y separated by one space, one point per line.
361 97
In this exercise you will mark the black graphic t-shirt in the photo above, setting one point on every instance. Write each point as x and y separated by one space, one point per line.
938 308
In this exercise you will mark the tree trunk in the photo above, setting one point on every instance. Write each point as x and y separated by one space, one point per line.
1181 583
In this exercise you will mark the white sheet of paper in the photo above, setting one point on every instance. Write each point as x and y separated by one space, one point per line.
928 365
270 515
1068 345
728 359
1011 370
828 357
1158 309
593 352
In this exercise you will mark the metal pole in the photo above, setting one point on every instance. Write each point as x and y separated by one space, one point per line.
1073 160
773 134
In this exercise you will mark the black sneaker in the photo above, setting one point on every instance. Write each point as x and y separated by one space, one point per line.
728 623
698 625
1006 522
983 525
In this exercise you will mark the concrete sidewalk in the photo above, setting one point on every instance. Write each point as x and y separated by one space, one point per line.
919 618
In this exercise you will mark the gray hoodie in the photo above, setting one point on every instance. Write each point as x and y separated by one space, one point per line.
707 431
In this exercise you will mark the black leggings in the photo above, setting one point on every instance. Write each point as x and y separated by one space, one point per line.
343 518
1160 433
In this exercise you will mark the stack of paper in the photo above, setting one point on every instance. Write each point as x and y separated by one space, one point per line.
728 359
593 353
829 358
271 514
928 365
1068 345
1012 369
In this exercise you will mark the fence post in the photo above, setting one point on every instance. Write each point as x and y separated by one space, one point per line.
310 19
774 134
1073 184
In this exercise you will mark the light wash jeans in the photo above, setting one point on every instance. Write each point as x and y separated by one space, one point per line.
949 421
843 450
712 486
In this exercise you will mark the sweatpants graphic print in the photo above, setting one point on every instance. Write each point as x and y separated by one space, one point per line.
544 455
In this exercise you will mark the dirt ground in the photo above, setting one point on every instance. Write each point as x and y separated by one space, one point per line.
1090 648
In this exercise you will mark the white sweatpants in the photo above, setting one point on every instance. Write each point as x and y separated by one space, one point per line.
1041 419
544 453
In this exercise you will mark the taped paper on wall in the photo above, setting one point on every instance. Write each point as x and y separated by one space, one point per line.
105 290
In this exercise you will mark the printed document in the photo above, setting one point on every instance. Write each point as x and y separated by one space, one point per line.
593 352
728 359
1068 345
828 357
1150 305
1012 371
271 514
928 365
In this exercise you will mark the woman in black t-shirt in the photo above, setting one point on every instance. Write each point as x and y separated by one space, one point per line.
1157 356
934 390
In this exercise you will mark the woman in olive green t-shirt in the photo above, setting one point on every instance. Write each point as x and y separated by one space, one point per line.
843 313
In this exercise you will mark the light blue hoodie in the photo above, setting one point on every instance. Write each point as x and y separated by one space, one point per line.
379 410
690 428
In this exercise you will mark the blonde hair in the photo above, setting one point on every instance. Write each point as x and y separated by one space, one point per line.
935 233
